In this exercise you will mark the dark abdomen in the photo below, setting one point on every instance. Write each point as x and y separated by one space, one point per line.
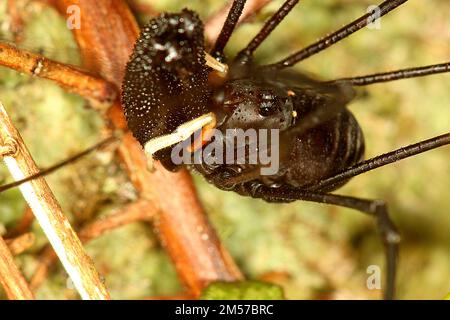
319 153
324 151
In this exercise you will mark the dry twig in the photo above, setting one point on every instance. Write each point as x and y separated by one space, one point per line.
69 77
133 212
144 8
21 243
11 278
16 23
49 214
24 224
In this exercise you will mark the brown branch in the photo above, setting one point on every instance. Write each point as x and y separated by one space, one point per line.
136 211
11 278
21 243
144 8
106 39
214 24
17 23
49 214
24 224
141 210
47 259
69 77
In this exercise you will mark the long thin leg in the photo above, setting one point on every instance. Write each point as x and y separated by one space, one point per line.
59 165
245 54
376 208
337 36
395 75
382 160
227 29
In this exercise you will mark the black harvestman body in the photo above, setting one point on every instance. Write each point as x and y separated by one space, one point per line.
206 95
320 107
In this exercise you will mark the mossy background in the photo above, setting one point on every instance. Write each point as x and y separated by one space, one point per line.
312 251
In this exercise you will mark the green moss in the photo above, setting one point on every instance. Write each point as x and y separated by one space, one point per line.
246 290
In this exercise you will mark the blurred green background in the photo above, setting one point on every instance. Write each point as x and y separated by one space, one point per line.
312 251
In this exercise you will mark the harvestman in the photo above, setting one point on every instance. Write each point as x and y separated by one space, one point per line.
169 94
207 90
